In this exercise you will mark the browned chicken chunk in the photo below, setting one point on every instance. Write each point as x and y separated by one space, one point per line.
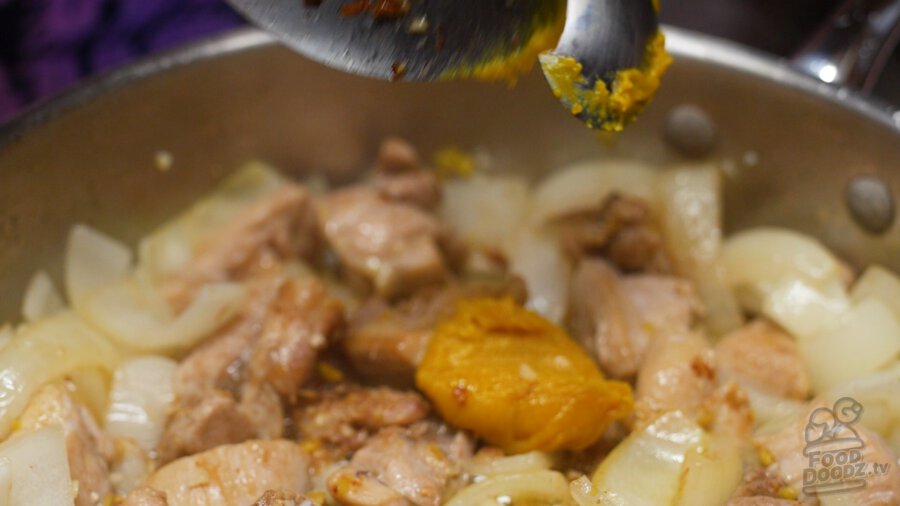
622 230
230 388
233 474
678 374
396 247
418 465
89 450
345 416
399 176
617 317
763 357
279 227
300 321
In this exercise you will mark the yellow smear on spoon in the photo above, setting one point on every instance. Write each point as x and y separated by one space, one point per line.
509 65
632 88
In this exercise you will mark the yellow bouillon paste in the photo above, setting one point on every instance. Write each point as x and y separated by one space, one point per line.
509 65
517 380
632 88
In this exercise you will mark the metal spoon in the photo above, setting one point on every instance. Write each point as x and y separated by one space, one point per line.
424 40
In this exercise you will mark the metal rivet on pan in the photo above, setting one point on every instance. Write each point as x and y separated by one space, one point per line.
871 203
690 131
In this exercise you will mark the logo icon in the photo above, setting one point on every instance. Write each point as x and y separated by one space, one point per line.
834 449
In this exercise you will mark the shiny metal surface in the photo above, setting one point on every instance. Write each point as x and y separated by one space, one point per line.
788 147
854 45
434 37
606 36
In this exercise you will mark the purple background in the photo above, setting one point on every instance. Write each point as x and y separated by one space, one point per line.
48 45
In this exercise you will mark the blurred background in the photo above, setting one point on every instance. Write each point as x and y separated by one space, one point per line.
49 45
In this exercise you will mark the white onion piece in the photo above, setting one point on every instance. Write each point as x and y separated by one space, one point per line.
586 185
770 410
486 210
879 283
691 217
41 298
38 468
90 388
170 247
801 308
536 487
142 392
711 473
769 255
43 351
537 257
879 393
864 339
512 464
93 260
137 319
646 467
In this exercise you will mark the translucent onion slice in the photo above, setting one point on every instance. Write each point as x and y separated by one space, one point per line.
768 255
864 339
691 210
711 473
142 392
646 467
586 185
135 317
38 469
878 393
512 464
879 283
170 247
41 298
486 210
93 260
43 351
536 487
537 257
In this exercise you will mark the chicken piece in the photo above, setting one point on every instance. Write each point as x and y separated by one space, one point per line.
281 226
385 343
346 415
300 321
88 449
399 176
617 317
763 357
218 362
678 374
214 420
282 498
145 496
622 230
760 488
229 389
395 247
794 456
420 465
233 474
728 411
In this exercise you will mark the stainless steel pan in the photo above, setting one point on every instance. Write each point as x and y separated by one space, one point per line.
789 144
